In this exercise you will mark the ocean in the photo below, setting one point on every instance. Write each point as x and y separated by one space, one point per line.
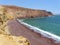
50 24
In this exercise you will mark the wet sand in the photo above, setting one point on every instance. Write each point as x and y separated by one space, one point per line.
17 29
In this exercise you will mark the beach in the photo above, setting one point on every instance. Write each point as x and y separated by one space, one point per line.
17 29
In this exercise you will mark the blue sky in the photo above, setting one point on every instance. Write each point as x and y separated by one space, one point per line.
49 5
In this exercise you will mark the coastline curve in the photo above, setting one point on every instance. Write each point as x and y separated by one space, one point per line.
40 31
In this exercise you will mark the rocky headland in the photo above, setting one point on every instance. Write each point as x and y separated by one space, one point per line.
20 12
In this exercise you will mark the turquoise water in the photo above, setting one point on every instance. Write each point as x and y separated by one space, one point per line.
50 24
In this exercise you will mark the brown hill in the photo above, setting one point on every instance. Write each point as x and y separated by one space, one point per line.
20 12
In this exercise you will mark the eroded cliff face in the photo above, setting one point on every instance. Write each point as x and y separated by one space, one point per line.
19 12
5 37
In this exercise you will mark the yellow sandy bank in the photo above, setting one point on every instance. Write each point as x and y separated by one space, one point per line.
13 40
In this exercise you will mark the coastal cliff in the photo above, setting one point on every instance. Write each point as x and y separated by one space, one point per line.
20 12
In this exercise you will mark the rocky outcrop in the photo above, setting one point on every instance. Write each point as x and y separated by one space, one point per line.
20 12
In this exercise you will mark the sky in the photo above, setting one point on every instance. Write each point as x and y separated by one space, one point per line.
49 5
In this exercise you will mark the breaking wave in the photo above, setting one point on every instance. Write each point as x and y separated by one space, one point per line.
40 31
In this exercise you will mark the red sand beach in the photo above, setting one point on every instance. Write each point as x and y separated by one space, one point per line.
17 29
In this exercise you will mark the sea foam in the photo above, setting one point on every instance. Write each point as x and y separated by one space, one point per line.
40 31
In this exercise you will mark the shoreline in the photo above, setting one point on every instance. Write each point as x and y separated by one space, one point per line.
17 29
40 31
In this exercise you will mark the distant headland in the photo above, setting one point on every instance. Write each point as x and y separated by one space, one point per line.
20 12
